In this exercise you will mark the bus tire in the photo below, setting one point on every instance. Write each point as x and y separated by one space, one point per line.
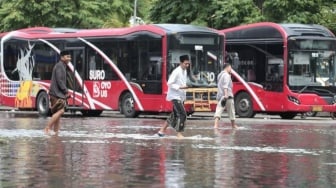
91 113
311 114
288 115
128 106
42 104
244 105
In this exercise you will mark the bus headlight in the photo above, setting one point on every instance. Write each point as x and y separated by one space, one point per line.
293 99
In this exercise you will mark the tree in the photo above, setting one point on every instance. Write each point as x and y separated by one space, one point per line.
231 13
217 14
228 13
300 11
17 14
328 13
121 12
173 11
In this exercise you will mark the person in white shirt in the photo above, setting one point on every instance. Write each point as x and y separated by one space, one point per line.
225 96
177 83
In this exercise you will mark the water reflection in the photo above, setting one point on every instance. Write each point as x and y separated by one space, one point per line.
108 152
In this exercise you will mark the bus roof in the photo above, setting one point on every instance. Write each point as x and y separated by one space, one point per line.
179 28
156 30
269 30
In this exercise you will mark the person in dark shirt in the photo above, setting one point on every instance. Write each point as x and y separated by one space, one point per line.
58 92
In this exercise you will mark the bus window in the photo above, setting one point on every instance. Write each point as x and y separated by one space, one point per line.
149 55
29 61
137 59
98 68
10 58
311 68
260 63
45 59
203 66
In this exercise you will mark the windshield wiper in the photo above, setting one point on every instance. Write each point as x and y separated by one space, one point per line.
305 87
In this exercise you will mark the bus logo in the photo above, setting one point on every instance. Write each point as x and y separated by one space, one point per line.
100 89
96 89
97 75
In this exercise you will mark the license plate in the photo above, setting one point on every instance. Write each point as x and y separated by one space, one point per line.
317 108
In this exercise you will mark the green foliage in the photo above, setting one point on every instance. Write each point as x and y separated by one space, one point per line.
301 11
169 11
328 13
218 14
17 14
240 12
227 13
52 13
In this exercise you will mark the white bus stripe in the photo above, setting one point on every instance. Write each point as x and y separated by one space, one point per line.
86 92
249 89
115 68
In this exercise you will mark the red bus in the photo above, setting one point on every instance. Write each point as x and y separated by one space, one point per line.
282 69
123 69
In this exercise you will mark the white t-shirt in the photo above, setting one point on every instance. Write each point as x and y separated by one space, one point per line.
177 79
224 82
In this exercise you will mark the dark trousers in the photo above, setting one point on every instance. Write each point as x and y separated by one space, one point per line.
178 117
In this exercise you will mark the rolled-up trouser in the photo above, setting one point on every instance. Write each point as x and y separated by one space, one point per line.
178 117
229 105
57 104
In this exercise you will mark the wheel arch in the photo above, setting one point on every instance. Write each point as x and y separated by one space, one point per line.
37 95
122 94
256 107
241 112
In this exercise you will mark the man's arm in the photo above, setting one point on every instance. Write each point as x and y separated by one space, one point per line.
61 79
226 79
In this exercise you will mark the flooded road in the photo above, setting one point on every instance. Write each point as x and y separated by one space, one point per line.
119 152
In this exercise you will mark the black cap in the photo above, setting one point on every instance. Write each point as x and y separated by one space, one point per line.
64 52
184 58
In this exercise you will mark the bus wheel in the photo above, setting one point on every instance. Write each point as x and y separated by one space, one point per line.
91 113
42 104
127 106
310 114
288 115
244 106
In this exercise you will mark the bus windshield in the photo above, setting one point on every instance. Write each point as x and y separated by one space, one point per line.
205 59
311 63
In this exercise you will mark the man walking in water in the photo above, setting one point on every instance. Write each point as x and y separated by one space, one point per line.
58 92
225 96
177 83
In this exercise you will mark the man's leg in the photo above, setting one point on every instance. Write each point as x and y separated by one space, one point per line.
181 117
231 112
218 114
57 122
51 122
171 120
163 128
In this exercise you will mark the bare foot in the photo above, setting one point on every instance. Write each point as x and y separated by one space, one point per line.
215 126
235 126
180 135
56 129
46 130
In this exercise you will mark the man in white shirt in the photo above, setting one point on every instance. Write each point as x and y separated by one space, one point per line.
177 83
225 96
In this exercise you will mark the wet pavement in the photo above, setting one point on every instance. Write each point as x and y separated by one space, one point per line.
112 151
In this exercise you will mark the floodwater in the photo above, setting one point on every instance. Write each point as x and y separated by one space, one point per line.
119 152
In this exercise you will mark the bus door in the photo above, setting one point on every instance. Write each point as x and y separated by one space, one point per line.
150 70
75 84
